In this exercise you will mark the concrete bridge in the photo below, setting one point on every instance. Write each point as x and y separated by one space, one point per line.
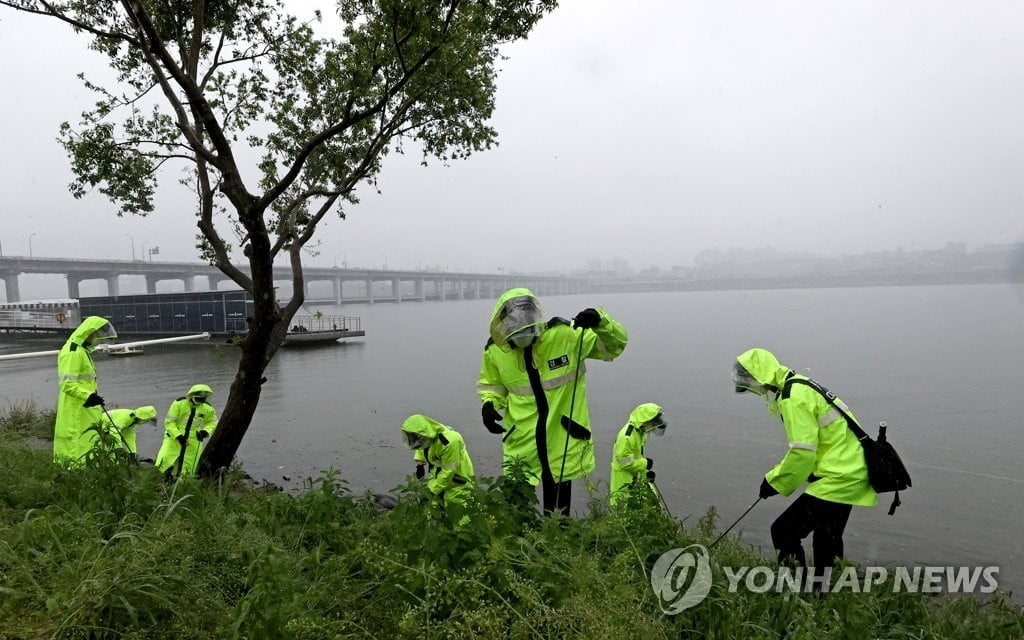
347 284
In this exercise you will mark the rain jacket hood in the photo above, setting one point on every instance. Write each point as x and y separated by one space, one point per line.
199 389
644 413
89 326
422 425
144 414
764 366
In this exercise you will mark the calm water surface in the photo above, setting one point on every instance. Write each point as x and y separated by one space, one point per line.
939 364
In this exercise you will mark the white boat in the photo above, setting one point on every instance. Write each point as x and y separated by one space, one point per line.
315 337
124 351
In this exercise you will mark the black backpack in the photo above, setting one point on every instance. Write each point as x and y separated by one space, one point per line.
886 472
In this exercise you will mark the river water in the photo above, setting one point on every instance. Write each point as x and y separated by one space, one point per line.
940 364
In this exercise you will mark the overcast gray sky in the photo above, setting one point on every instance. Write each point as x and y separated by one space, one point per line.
648 131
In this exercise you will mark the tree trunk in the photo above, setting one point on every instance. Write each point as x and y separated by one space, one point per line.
267 328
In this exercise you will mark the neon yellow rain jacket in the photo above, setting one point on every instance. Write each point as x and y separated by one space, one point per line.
178 414
820 443
126 421
534 387
450 469
629 464
76 379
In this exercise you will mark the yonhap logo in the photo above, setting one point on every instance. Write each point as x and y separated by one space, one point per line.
681 578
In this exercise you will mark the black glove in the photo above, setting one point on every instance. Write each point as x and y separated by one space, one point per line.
587 319
650 463
766 490
421 471
93 400
491 417
202 435
650 476
181 438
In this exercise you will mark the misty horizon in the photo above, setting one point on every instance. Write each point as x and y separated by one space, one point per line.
647 135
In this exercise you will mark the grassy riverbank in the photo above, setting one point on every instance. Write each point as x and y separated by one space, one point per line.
113 551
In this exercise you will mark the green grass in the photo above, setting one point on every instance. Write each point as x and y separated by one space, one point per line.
111 551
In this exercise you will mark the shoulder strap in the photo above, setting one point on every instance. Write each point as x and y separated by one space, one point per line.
829 398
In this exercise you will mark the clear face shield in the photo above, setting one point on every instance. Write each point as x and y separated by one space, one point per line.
415 440
519 322
743 381
199 398
655 425
526 337
104 333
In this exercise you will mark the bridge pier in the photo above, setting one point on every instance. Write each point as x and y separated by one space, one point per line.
113 286
73 288
369 289
11 285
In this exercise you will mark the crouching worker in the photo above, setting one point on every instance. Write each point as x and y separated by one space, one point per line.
190 421
630 468
448 467
124 425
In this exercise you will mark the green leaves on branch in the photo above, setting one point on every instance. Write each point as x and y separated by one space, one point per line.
121 173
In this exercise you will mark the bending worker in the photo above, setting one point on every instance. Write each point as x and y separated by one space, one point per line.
190 421
444 453
822 452
533 370
79 406
125 423
630 468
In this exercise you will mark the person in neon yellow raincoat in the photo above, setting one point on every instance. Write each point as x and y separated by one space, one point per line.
190 421
823 452
443 451
534 370
125 423
79 405
630 468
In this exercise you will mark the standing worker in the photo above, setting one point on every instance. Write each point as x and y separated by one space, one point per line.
442 451
533 370
823 452
125 422
630 468
79 406
190 420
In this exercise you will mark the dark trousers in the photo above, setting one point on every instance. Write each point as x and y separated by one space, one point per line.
557 495
827 520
